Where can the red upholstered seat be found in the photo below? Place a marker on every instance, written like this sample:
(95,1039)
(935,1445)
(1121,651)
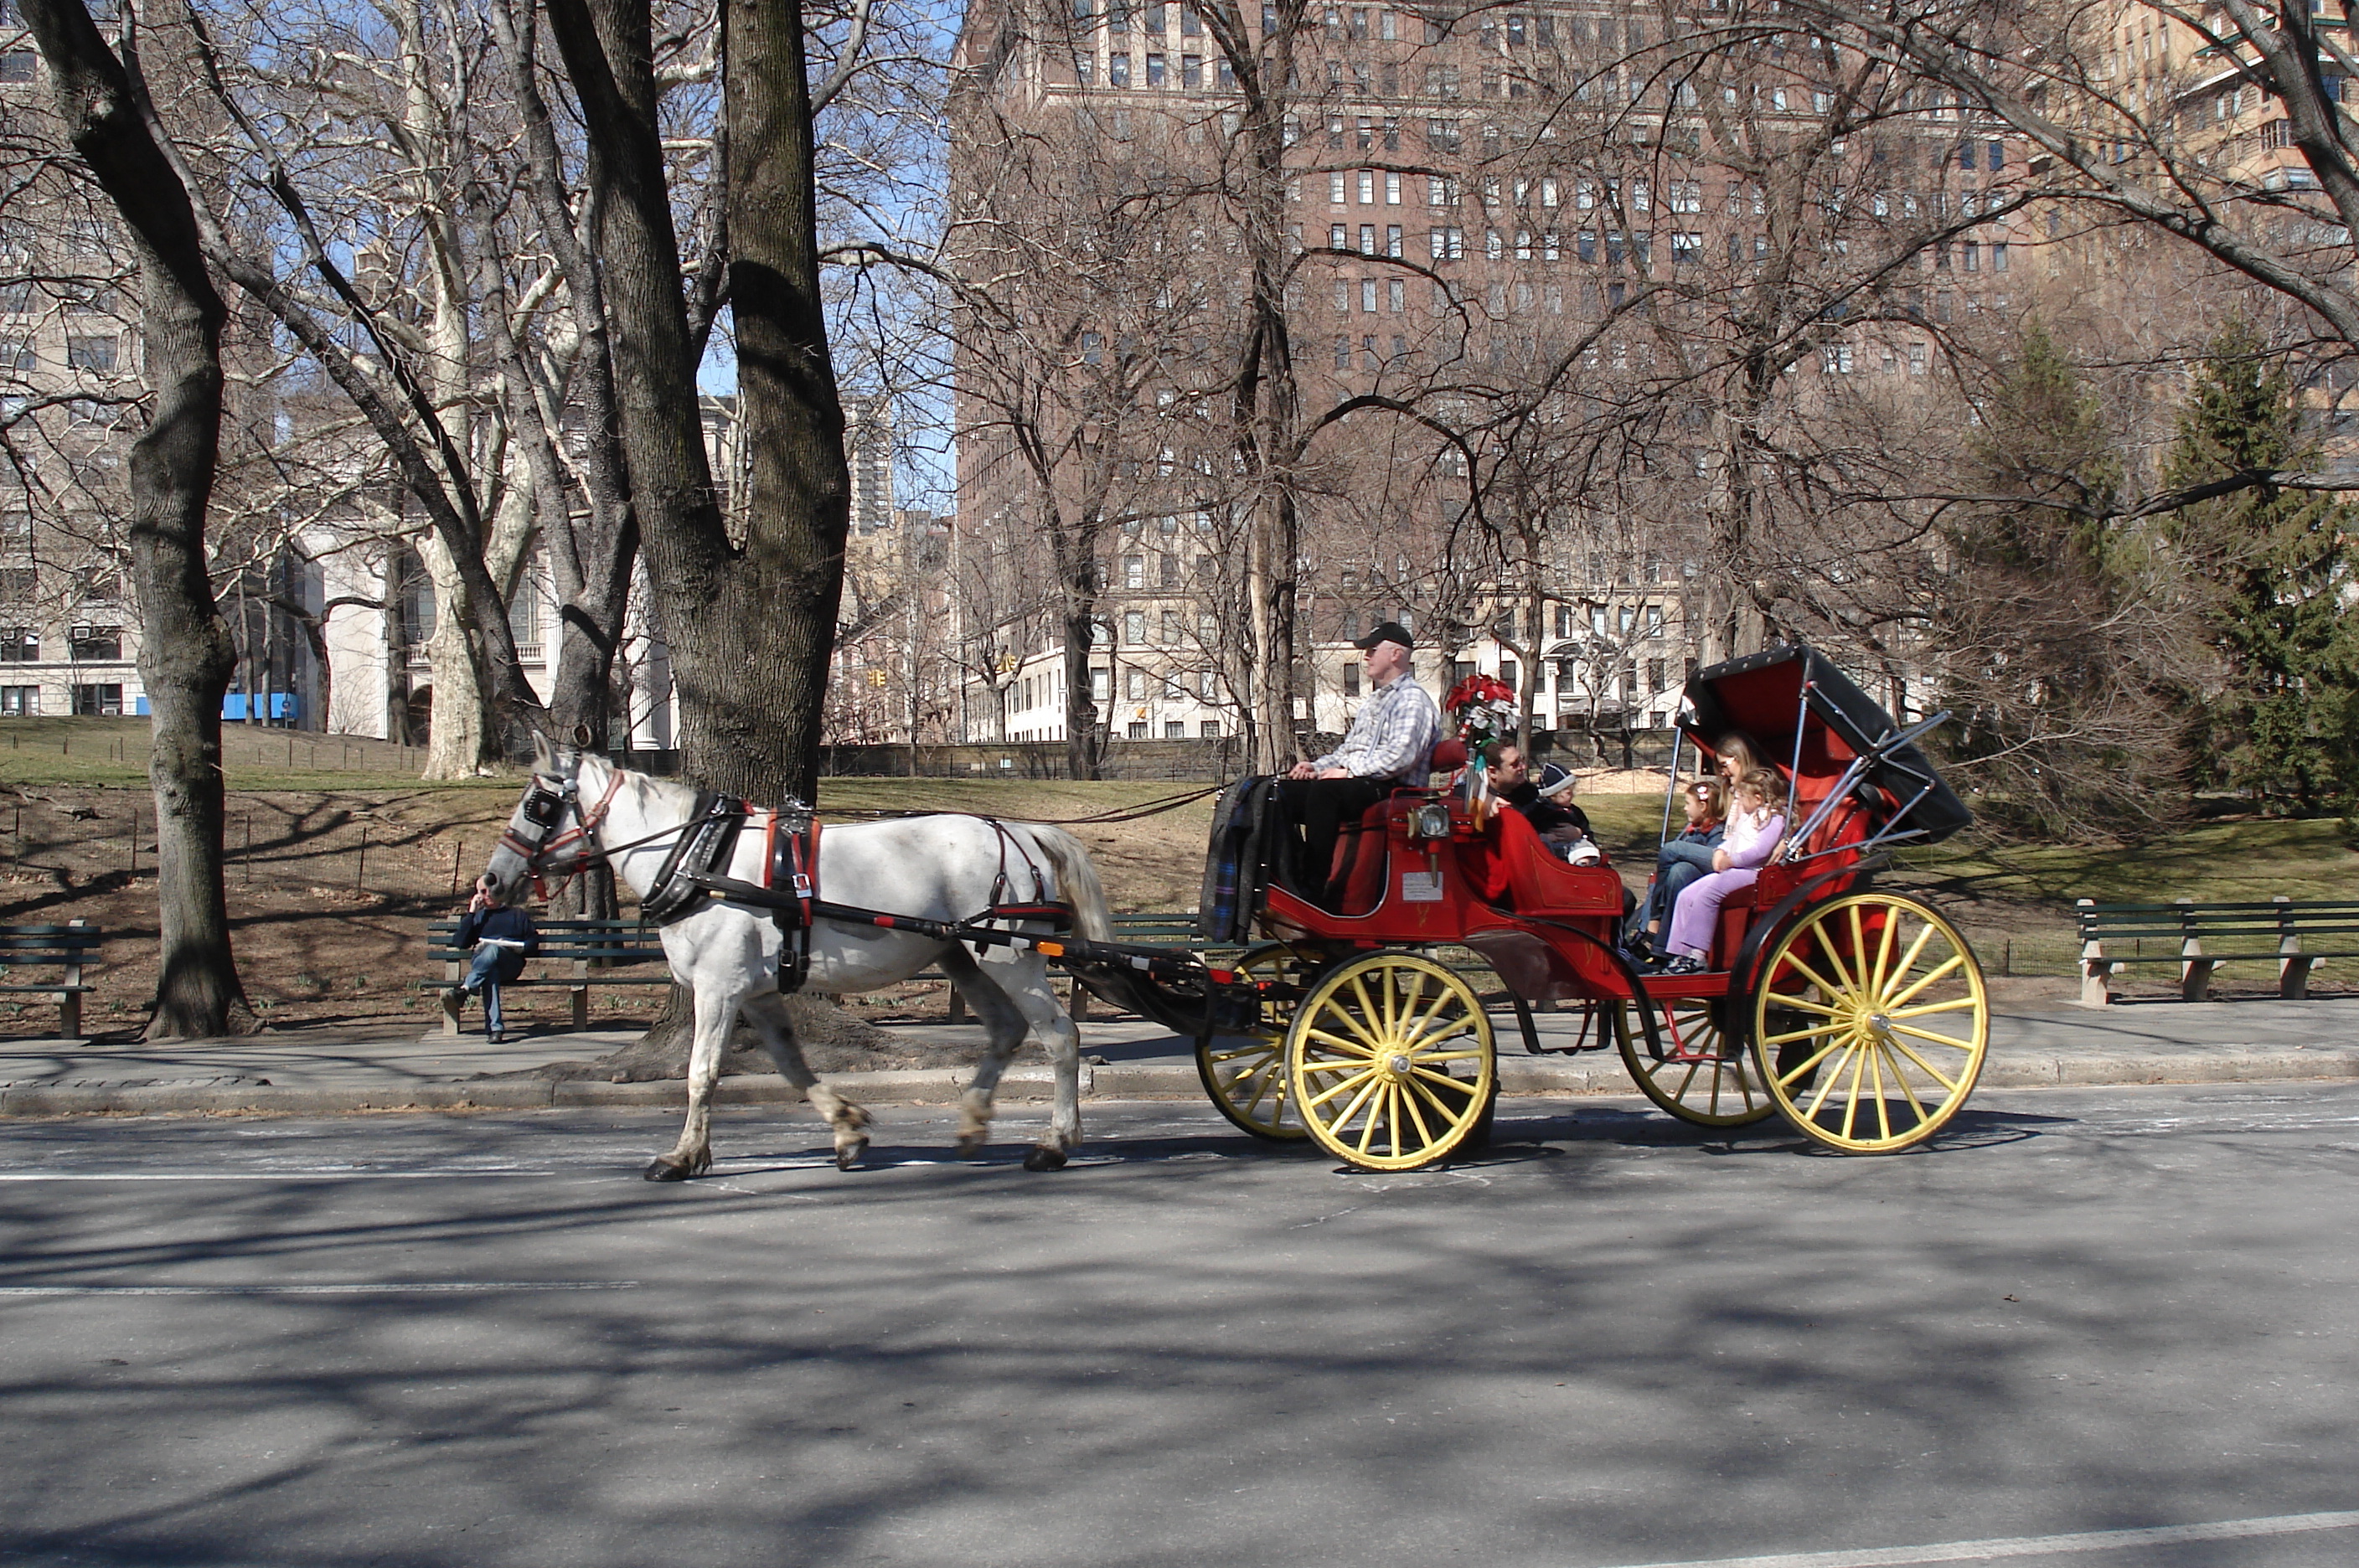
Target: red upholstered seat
(1512,867)
(1448,755)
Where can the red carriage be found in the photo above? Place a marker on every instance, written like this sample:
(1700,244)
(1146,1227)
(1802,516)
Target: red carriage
(1860,1016)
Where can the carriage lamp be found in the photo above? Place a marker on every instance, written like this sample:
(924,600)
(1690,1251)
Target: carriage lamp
(1432,820)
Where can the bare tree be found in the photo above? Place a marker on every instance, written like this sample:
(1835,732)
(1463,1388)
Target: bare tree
(185,653)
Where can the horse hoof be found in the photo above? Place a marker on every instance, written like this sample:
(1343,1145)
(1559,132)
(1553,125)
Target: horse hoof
(849,1155)
(971,1145)
(1043,1158)
(664,1168)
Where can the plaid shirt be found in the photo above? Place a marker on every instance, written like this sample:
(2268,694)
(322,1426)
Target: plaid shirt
(1391,736)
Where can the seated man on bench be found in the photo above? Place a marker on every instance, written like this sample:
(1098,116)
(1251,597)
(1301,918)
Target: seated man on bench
(1387,746)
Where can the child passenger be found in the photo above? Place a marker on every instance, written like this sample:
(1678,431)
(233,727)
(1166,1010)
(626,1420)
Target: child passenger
(1682,860)
(1753,828)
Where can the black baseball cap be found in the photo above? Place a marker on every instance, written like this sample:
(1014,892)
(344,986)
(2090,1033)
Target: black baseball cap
(1388,631)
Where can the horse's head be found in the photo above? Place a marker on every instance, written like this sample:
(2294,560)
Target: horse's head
(550,834)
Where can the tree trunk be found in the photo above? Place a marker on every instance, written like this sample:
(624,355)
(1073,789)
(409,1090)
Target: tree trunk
(186,654)
(799,488)
(457,740)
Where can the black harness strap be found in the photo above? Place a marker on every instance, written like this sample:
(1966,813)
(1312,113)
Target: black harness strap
(704,845)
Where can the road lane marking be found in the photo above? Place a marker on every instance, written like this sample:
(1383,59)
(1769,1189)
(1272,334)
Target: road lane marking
(421,1287)
(2032,1545)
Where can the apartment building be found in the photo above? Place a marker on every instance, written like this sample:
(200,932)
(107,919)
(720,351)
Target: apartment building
(1535,216)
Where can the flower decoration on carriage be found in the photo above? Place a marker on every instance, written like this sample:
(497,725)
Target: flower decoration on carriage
(1485,709)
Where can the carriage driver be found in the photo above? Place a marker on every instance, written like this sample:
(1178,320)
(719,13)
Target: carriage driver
(1387,745)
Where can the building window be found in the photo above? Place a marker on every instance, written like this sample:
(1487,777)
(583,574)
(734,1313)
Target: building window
(1138,730)
(20,701)
(1101,684)
(1343,353)
(1352,679)
(91,353)
(20,645)
(1209,729)
(1191,66)
(94,645)
(1134,629)
(104,702)
(1367,239)
(16,65)
(1134,574)
(1175,729)
(1998,256)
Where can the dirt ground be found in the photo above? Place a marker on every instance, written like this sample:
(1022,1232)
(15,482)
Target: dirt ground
(329,887)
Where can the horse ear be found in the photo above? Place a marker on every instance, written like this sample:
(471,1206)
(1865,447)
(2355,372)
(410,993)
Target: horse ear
(581,736)
(543,759)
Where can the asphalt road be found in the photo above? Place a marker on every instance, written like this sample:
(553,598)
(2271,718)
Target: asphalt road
(422,1340)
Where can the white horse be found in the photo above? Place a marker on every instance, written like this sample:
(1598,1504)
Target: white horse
(579,806)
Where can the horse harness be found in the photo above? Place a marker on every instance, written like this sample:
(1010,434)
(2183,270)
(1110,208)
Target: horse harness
(695,873)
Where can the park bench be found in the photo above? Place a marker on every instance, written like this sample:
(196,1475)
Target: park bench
(64,948)
(594,952)
(2200,937)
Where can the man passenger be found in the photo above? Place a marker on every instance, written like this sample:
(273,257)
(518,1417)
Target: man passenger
(1387,747)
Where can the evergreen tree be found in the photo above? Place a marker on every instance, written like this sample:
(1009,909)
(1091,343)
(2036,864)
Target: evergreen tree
(2055,645)
(2272,568)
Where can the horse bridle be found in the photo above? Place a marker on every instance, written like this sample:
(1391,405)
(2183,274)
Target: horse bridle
(545,801)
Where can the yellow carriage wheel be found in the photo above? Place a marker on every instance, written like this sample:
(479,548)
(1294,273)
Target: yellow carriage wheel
(1870,1023)
(1701,1078)
(1389,1061)
(1246,1073)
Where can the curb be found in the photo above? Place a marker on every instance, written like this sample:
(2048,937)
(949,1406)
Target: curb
(1149,1080)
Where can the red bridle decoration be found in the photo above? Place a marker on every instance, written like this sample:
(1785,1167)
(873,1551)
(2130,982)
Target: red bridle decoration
(587,825)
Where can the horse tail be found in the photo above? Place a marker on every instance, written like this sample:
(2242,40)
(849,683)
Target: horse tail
(1076,880)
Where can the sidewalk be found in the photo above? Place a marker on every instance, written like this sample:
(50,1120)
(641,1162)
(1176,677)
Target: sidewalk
(331,1069)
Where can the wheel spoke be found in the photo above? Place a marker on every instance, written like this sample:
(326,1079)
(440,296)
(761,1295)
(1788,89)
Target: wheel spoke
(1952,962)
(1349,1047)
(1925,1009)
(1800,1004)
(1901,1078)
(1936,1039)
(1883,1117)
(1417,1044)
(1828,987)
(1850,1101)
(1360,1066)
(1408,1103)
(1802,1034)
(1367,1010)
(1337,1124)
(1909,959)
(1449,1117)
(1858,947)
(1423,1057)
(1376,1116)
(1785,1079)
(1242,1052)
(1828,1083)
(1931,1070)
(1315,1101)
(1883,950)
(1459,1086)
(1442,998)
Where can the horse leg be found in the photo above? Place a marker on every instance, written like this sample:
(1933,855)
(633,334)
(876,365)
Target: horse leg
(768,1013)
(1028,987)
(692,1155)
(1003,1030)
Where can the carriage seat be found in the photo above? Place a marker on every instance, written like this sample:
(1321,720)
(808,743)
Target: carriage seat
(1514,867)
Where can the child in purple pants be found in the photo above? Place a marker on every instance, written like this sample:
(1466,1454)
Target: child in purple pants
(1753,832)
